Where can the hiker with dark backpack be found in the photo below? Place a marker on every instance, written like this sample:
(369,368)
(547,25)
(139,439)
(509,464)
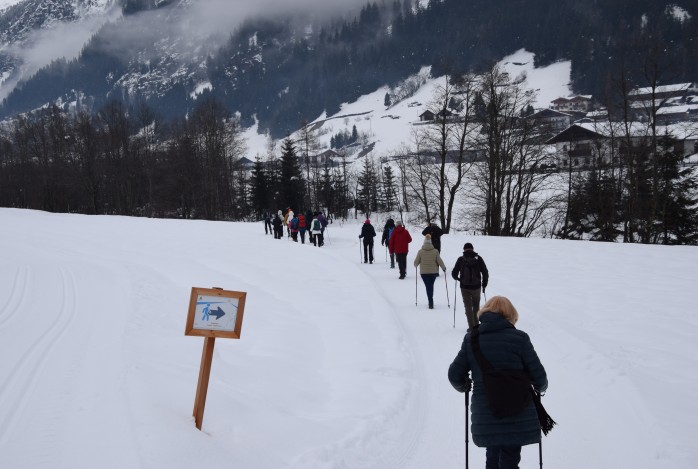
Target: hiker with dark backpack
(507,381)
(387,231)
(294,225)
(316,231)
(472,272)
(368,233)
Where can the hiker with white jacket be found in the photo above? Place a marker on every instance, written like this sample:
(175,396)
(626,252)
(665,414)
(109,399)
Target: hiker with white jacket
(429,260)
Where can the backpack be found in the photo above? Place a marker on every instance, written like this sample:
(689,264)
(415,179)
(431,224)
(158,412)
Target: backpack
(508,391)
(294,224)
(316,225)
(470,271)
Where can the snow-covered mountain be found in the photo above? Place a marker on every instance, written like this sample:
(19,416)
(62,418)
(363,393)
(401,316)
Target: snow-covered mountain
(33,33)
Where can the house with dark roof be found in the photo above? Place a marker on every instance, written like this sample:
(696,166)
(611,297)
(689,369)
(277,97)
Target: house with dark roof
(427,116)
(584,143)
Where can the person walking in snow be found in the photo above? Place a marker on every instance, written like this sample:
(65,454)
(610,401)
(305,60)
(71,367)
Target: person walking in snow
(294,228)
(472,272)
(308,220)
(302,227)
(323,223)
(435,231)
(287,221)
(506,348)
(278,226)
(316,230)
(387,231)
(399,244)
(267,222)
(429,261)
(368,233)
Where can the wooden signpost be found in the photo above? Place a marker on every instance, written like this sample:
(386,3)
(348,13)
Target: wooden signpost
(213,312)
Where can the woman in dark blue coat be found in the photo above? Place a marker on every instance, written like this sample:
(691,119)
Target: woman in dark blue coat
(506,348)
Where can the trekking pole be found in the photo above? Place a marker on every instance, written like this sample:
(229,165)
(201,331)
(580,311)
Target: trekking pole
(540,453)
(467,394)
(359,252)
(415,286)
(386,253)
(448,298)
(455,300)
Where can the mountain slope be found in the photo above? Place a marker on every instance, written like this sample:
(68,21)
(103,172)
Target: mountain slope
(286,71)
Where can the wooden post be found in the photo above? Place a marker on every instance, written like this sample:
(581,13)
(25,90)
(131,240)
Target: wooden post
(204,374)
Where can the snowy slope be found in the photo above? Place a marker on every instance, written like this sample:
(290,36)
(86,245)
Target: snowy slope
(336,367)
(390,128)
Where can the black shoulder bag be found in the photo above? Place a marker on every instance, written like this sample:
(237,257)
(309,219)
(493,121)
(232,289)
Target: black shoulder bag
(508,391)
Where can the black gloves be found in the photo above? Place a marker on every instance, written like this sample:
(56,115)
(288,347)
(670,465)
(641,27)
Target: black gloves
(466,387)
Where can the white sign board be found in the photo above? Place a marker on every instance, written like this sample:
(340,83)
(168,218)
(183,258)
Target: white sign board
(215,313)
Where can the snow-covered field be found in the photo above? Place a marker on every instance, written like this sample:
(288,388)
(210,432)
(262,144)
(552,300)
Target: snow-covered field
(336,366)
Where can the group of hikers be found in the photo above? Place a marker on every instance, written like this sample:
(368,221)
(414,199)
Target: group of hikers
(505,416)
(312,222)
(470,268)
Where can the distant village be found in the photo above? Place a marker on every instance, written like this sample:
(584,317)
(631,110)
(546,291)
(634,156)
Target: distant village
(579,131)
(576,130)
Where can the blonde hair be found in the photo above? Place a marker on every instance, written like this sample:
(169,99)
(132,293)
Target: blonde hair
(500,305)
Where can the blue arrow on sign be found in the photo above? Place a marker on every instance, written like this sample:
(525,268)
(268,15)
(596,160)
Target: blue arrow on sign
(218,313)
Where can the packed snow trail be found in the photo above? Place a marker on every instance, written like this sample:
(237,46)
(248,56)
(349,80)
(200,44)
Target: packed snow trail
(336,366)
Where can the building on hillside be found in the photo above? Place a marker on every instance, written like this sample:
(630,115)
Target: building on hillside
(578,103)
(663,92)
(426,116)
(549,120)
(584,144)
(430,116)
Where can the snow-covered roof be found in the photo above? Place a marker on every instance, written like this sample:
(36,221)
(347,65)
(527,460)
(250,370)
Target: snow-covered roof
(676,88)
(591,130)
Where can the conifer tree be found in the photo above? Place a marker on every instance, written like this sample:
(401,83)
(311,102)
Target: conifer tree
(291,184)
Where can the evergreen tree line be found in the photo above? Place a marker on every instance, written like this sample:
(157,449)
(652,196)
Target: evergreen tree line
(126,161)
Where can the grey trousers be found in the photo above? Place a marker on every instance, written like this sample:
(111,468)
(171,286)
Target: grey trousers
(471,301)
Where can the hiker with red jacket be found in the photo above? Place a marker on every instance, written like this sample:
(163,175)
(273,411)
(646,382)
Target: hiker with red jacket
(302,227)
(399,244)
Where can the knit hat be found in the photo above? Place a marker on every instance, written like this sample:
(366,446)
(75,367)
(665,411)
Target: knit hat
(367,221)
(427,237)
(398,223)
(467,246)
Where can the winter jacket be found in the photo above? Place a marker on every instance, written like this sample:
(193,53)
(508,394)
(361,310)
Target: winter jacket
(323,220)
(506,348)
(399,240)
(387,231)
(480,278)
(301,222)
(428,259)
(315,228)
(435,231)
(277,222)
(367,232)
